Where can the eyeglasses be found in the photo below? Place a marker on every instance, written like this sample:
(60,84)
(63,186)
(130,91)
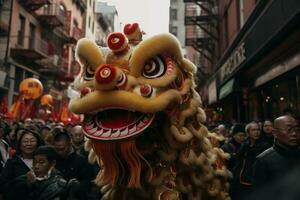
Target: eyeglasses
(290,130)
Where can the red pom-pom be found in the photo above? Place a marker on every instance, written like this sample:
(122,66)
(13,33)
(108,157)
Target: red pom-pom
(130,28)
(116,41)
(105,74)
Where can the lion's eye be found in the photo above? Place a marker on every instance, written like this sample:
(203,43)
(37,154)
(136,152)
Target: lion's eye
(155,67)
(89,73)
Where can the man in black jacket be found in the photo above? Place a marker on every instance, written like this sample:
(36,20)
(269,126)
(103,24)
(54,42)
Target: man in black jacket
(238,136)
(246,155)
(281,159)
(74,168)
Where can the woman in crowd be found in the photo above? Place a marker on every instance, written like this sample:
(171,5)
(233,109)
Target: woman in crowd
(267,133)
(20,164)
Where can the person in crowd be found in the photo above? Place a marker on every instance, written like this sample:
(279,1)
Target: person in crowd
(39,123)
(4,149)
(267,132)
(46,135)
(20,164)
(28,122)
(43,182)
(11,138)
(277,168)
(246,156)
(283,156)
(77,140)
(74,168)
(222,130)
(238,136)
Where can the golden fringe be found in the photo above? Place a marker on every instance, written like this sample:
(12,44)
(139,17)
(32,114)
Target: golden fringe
(132,158)
(107,152)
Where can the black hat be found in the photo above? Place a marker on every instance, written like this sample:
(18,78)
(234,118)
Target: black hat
(238,128)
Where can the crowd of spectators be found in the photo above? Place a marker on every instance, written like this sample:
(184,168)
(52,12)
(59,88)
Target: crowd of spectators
(44,161)
(263,155)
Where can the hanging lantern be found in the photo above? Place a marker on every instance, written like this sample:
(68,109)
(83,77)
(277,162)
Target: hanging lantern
(31,88)
(46,100)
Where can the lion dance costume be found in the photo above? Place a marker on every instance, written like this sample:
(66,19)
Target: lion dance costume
(144,120)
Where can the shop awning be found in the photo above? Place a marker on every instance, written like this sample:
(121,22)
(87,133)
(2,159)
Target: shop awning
(226,89)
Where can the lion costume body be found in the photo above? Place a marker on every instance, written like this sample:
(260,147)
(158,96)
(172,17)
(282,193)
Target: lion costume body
(144,120)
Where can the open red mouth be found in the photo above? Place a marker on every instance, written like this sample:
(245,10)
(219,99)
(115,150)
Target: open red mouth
(116,124)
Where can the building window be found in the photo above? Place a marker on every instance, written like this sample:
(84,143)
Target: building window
(19,76)
(93,24)
(89,21)
(21,30)
(174,30)
(90,2)
(75,23)
(31,35)
(173,14)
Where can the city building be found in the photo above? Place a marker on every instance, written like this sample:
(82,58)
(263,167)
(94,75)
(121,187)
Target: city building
(249,56)
(187,34)
(108,19)
(37,39)
(256,76)
(201,40)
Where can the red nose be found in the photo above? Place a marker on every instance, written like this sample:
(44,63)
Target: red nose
(105,74)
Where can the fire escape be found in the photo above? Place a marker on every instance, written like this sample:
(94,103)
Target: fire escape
(33,5)
(201,30)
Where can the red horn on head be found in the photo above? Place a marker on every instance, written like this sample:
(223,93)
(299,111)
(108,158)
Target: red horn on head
(117,42)
(133,33)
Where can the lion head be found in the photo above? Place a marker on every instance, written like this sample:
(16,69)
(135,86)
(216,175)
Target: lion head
(144,120)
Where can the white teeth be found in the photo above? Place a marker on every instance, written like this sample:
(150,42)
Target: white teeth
(90,126)
(132,130)
(124,132)
(106,134)
(116,134)
(141,124)
(98,133)
(93,130)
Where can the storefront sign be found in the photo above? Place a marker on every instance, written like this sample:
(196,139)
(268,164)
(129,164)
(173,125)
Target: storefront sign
(236,58)
(226,89)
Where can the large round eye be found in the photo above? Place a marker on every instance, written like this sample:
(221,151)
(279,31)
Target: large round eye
(155,67)
(122,80)
(89,73)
